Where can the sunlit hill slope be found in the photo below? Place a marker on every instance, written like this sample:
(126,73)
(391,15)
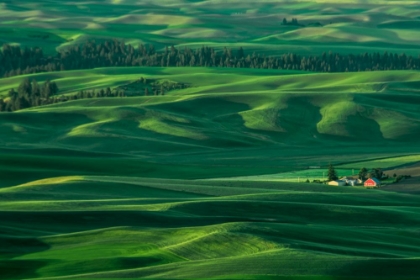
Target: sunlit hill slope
(222,109)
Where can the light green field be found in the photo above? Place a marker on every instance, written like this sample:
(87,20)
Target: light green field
(346,26)
(293,176)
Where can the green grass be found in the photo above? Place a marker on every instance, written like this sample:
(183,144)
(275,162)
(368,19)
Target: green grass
(170,228)
(384,162)
(294,176)
(231,120)
(202,182)
(322,104)
(368,26)
(84,195)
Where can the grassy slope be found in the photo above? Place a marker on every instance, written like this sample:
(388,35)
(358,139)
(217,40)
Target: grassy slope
(109,217)
(192,229)
(230,120)
(369,26)
(384,162)
(79,196)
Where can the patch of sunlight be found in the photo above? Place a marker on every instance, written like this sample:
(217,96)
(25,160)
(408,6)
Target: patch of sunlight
(49,181)
(164,128)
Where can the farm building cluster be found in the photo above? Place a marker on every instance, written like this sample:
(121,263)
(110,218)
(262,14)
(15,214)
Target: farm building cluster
(354,181)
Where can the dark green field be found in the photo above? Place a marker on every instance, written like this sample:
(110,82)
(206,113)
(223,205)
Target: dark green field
(208,181)
(132,227)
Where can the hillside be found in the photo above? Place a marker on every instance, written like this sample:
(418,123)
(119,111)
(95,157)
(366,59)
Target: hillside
(181,229)
(226,118)
(348,26)
(215,172)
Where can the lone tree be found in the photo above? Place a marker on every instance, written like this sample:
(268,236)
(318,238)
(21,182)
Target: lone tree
(332,174)
(363,173)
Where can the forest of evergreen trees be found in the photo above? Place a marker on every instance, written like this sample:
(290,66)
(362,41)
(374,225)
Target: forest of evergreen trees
(16,61)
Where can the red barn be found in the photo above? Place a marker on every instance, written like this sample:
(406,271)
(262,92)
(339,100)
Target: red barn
(372,183)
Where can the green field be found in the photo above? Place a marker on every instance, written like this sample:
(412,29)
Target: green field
(207,182)
(132,227)
(299,176)
(385,162)
(348,26)
(199,183)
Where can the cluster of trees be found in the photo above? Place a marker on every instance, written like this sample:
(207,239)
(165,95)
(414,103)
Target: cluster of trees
(30,94)
(364,173)
(146,87)
(123,91)
(16,61)
(377,173)
(97,93)
(293,22)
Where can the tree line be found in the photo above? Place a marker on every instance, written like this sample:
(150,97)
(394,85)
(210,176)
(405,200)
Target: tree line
(15,60)
(29,94)
(32,94)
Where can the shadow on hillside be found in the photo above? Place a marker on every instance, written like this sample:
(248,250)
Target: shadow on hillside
(73,221)
(13,247)
(382,269)
(34,129)
(299,119)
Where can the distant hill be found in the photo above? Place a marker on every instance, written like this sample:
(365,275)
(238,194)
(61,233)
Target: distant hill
(255,116)
(261,105)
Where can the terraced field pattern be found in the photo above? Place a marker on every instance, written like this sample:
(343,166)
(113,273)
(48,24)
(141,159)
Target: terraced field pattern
(209,181)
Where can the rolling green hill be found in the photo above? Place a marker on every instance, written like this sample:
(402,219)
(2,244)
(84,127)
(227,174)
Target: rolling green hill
(205,182)
(83,191)
(350,26)
(131,227)
(228,118)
